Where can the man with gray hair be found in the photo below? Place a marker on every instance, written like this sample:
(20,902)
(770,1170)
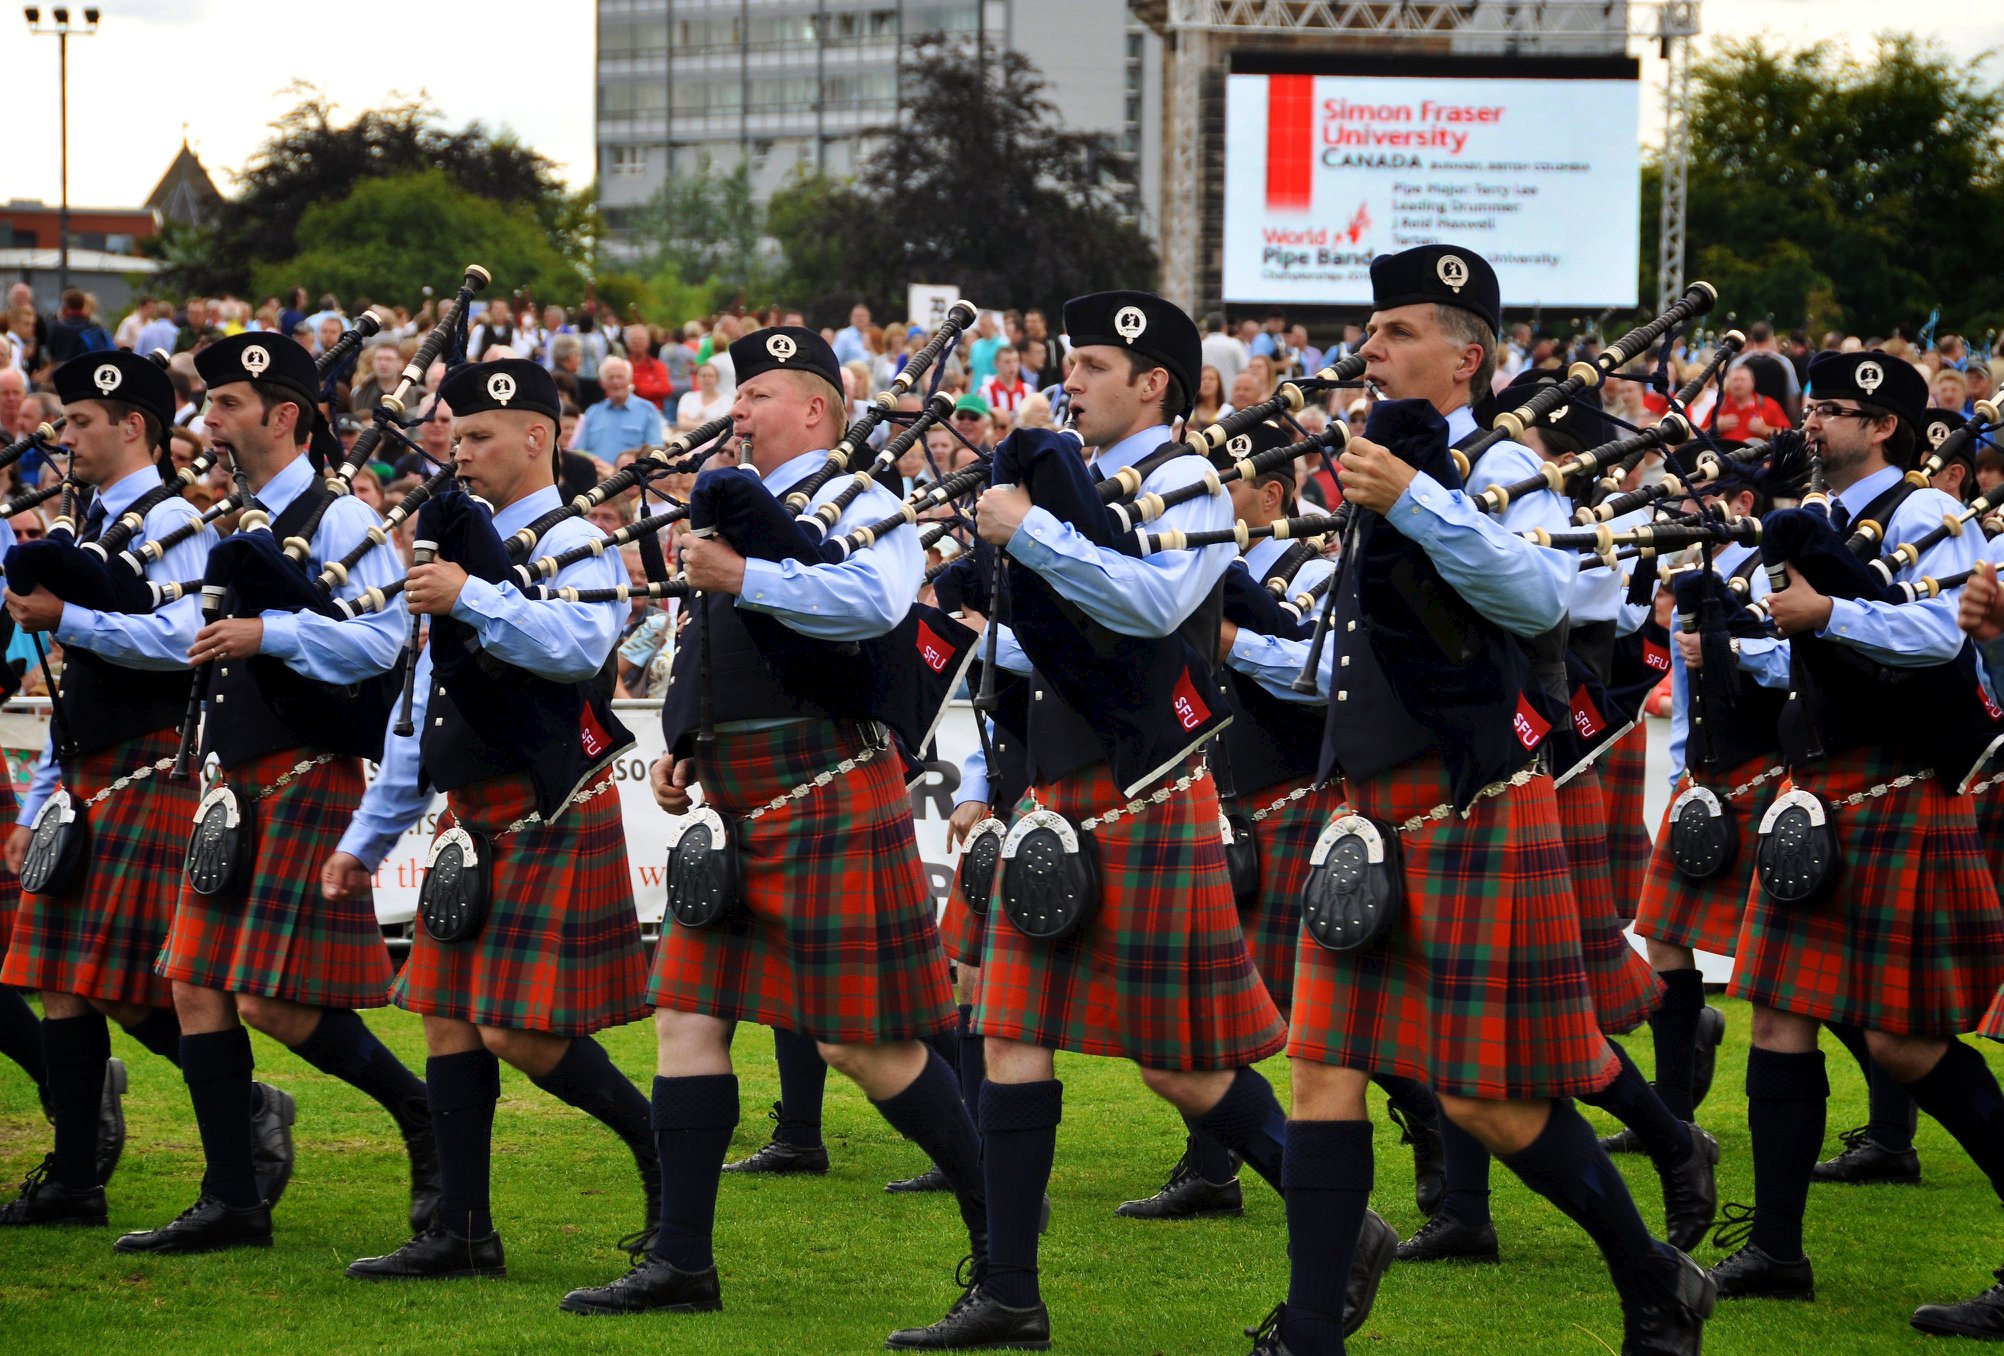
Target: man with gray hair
(567,366)
(620,422)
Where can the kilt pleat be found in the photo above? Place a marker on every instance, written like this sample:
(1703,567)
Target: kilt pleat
(1988,803)
(1625,989)
(279,937)
(1705,916)
(1480,990)
(101,939)
(835,937)
(1285,839)
(560,952)
(1161,974)
(1624,770)
(962,931)
(1910,940)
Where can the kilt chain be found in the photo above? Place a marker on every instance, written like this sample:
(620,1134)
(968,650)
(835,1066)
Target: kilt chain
(818,780)
(1298,793)
(1752,783)
(1446,808)
(1159,796)
(1899,783)
(105,792)
(292,774)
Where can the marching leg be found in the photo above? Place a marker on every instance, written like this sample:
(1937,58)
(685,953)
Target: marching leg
(21,1038)
(341,1045)
(585,1078)
(796,1144)
(1461,1230)
(1882,1150)
(76,1049)
(1788,1095)
(1684,1155)
(230,1213)
(1417,1114)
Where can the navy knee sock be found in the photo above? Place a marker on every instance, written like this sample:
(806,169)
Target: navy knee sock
(1248,1120)
(693,1120)
(1327,1186)
(340,1044)
(803,1082)
(1630,1100)
(462,1090)
(217,1066)
(74,1050)
(1962,1094)
(1566,1165)
(1673,1029)
(972,1064)
(1466,1166)
(1209,1159)
(1788,1098)
(1413,1099)
(1019,1138)
(160,1032)
(1891,1116)
(586,1079)
(21,1036)
(930,1114)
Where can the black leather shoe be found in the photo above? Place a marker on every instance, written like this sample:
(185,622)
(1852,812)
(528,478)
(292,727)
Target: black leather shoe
(978,1321)
(1866,1162)
(651,1284)
(46,1201)
(111,1120)
(1705,1054)
(1377,1245)
(271,1142)
(1752,1274)
(1622,1141)
(932,1179)
(1668,1319)
(1429,1160)
(1981,1318)
(206,1226)
(1446,1239)
(1186,1195)
(1266,1334)
(780,1157)
(1691,1192)
(436,1254)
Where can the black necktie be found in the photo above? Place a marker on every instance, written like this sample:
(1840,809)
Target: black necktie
(1840,517)
(94,520)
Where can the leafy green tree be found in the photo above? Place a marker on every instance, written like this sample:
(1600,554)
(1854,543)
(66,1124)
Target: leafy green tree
(389,238)
(1827,191)
(707,233)
(979,184)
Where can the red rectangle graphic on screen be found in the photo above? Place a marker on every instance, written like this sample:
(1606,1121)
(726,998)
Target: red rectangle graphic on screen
(1290,141)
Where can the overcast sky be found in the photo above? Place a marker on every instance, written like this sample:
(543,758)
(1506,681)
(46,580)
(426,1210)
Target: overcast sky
(223,67)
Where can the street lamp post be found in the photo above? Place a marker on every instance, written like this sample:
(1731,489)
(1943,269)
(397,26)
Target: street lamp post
(59,25)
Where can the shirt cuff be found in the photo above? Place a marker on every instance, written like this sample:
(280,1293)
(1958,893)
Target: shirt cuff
(1422,499)
(477,601)
(1032,542)
(281,636)
(1845,616)
(76,626)
(764,586)
(367,846)
(1249,650)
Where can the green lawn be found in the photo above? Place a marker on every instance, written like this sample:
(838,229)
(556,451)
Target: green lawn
(830,1264)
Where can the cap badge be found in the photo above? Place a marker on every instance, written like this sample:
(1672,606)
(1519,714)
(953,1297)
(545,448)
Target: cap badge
(1869,376)
(1240,446)
(781,347)
(1129,322)
(1937,433)
(1453,271)
(255,360)
(501,388)
(107,377)
(1559,413)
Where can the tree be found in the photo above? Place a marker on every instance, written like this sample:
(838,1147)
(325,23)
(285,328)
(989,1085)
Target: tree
(389,238)
(978,184)
(707,229)
(311,158)
(1826,191)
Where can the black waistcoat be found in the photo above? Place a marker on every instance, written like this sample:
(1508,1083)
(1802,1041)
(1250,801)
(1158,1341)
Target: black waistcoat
(743,683)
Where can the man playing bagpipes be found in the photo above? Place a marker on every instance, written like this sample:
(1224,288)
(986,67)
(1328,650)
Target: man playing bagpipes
(99,895)
(528,942)
(1873,902)
(1443,942)
(1113,929)
(287,689)
(809,909)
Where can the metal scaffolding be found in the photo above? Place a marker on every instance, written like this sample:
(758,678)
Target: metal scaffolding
(1201,33)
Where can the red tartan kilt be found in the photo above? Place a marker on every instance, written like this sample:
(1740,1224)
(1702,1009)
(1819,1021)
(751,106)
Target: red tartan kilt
(279,937)
(1480,991)
(1988,804)
(100,940)
(1625,989)
(1284,838)
(1706,916)
(1910,940)
(962,931)
(1624,771)
(560,951)
(835,937)
(10,885)
(1161,974)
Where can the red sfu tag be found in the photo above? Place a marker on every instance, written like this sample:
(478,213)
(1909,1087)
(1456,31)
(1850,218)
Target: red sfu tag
(1531,728)
(933,651)
(1587,718)
(1988,705)
(1190,708)
(592,735)
(1656,656)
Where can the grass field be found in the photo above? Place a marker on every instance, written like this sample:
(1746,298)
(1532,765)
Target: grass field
(830,1264)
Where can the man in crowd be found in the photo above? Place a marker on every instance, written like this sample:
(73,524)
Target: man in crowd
(851,343)
(620,422)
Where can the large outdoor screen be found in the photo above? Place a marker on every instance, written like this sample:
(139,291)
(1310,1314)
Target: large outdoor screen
(1539,175)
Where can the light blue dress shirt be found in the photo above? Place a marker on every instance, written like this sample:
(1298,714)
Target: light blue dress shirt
(1906,635)
(564,642)
(608,429)
(857,599)
(136,640)
(1764,657)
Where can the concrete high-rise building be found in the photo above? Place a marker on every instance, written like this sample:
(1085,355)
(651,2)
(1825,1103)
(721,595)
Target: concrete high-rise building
(785,84)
